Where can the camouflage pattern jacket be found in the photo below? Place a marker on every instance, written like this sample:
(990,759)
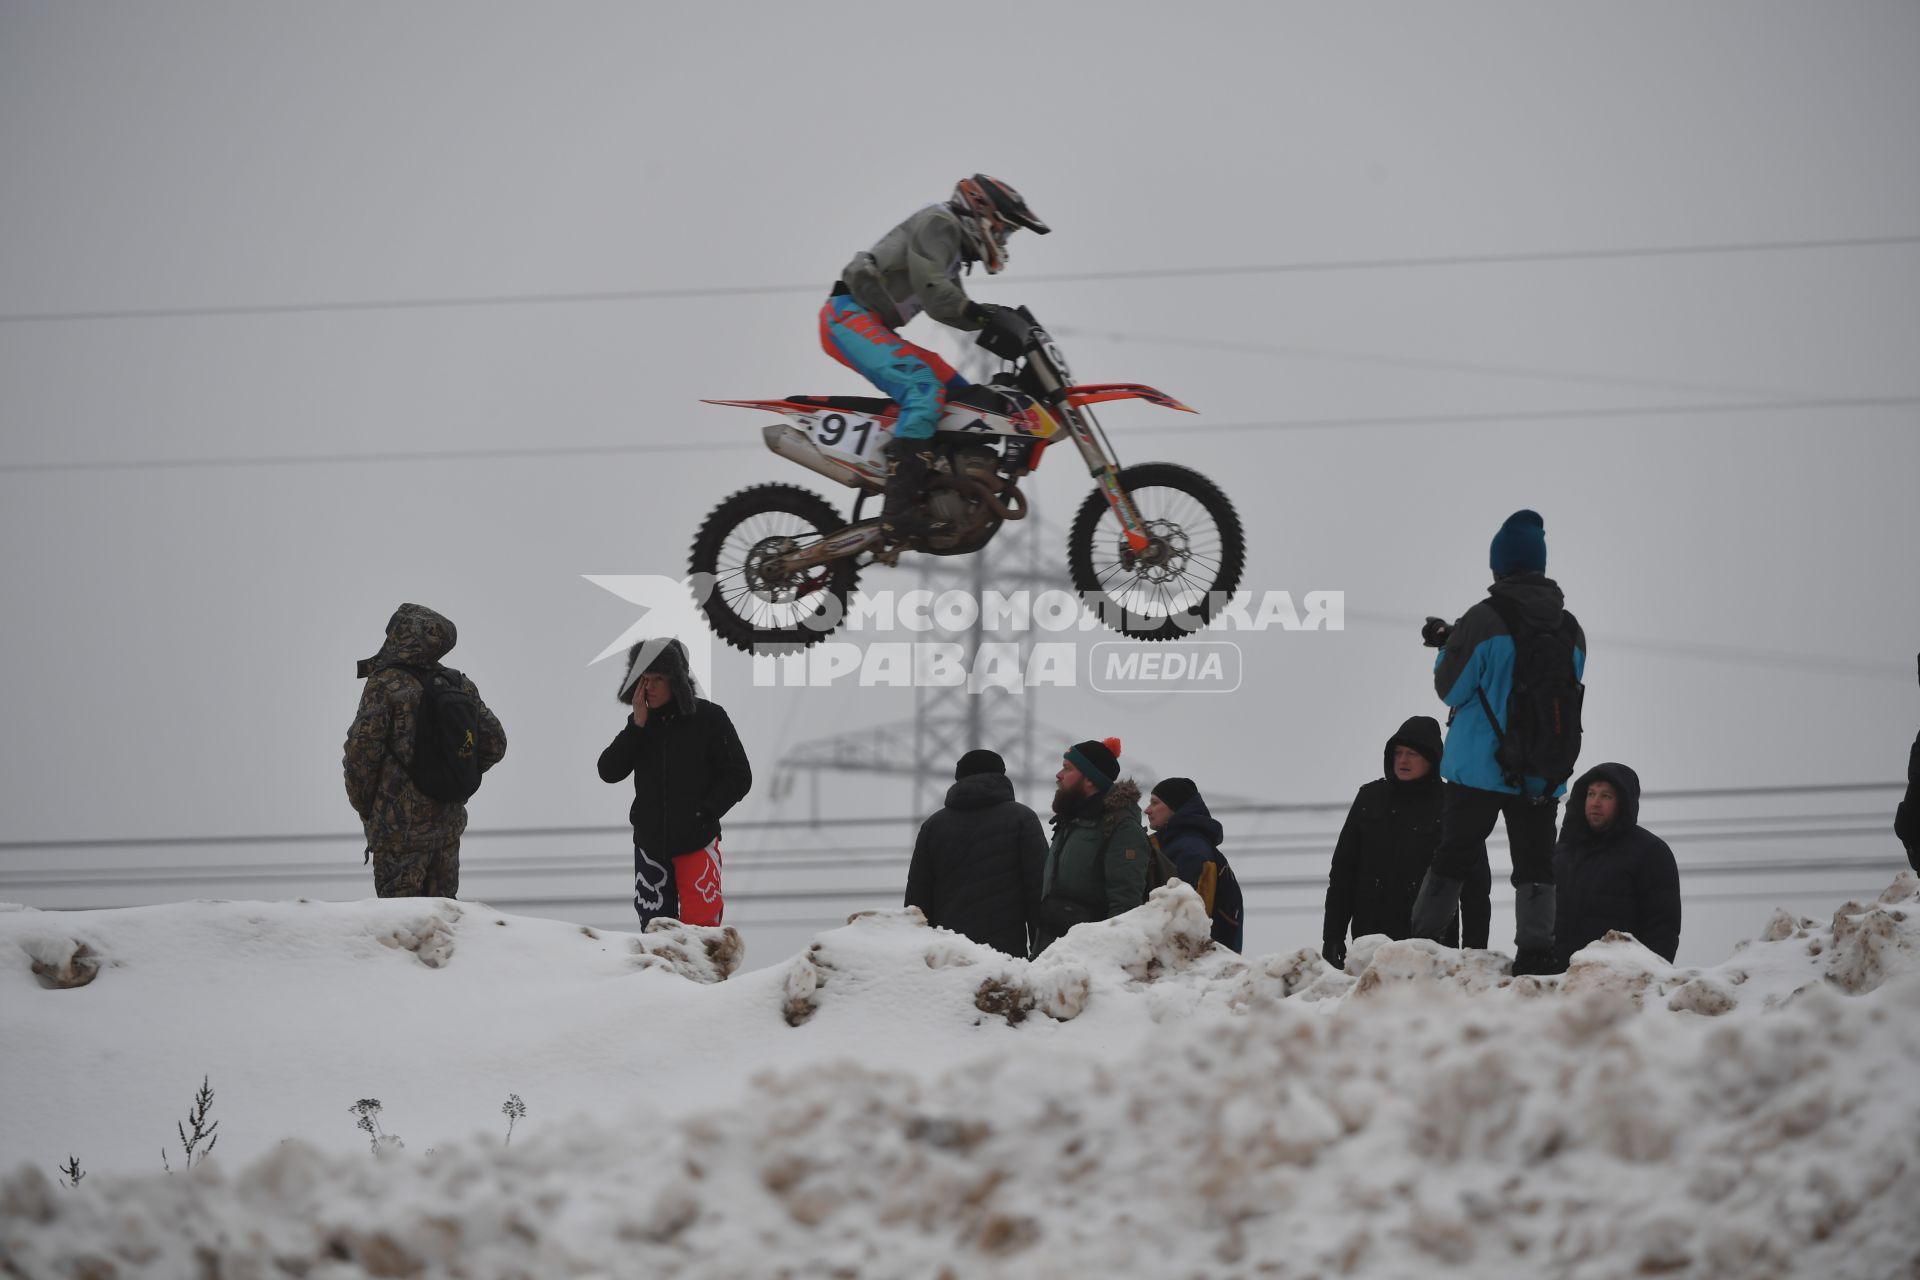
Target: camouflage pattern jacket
(392,810)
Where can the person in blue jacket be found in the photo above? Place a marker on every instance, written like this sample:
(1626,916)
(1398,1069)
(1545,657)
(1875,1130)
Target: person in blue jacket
(1474,676)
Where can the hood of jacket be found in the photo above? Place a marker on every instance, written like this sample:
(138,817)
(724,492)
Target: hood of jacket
(1123,801)
(1626,784)
(1194,816)
(666,657)
(980,791)
(1539,597)
(1422,733)
(416,636)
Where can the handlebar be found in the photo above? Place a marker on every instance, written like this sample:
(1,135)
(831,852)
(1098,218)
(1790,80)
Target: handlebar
(1008,332)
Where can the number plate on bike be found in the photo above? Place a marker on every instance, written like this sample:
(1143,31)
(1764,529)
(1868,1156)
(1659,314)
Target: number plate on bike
(848,435)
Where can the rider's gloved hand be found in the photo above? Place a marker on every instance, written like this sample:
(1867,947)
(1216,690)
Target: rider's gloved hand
(1434,634)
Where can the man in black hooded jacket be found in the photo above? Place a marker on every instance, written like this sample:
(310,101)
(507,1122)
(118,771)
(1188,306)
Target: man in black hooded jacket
(688,769)
(1386,846)
(1906,818)
(977,862)
(1610,872)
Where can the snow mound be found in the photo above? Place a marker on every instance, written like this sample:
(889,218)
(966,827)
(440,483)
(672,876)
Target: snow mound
(1136,1103)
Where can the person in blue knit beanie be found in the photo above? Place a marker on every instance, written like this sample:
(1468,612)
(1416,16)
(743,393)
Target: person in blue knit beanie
(1510,670)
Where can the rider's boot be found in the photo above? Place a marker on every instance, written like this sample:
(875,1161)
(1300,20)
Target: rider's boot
(908,462)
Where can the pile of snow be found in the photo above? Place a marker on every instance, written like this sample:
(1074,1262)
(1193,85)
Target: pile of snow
(900,1102)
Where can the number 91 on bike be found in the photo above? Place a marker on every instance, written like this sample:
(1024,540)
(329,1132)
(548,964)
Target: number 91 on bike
(849,436)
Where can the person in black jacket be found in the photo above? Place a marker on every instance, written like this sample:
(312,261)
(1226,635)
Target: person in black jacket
(1906,818)
(1611,872)
(977,862)
(1189,834)
(688,769)
(1386,846)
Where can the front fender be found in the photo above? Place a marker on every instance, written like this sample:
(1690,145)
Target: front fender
(1099,392)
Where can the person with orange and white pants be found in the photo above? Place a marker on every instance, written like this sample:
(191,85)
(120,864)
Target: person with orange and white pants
(688,769)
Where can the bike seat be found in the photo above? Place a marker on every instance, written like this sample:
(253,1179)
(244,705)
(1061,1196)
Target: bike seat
(874,405)
(990,399)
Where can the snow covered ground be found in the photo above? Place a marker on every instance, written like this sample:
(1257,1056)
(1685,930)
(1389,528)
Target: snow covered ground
(898,1102)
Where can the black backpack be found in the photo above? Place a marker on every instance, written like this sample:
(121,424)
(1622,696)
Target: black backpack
(446,736)
(1542,737)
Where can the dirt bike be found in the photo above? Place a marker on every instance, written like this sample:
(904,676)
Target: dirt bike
(1154,548)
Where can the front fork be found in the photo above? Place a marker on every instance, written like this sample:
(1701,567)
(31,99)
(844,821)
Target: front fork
(1104,470)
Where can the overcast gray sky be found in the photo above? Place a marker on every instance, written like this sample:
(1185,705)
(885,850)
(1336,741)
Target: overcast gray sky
(179,640)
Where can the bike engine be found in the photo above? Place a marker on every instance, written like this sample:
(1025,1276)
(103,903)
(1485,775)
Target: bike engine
(953,507)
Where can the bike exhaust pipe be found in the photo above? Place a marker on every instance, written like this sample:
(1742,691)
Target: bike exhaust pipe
(794,445)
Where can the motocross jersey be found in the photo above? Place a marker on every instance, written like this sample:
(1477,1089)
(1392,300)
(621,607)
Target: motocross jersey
(914,268)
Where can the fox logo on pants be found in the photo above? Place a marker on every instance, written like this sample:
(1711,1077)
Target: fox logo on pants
(697,876)
(649,886)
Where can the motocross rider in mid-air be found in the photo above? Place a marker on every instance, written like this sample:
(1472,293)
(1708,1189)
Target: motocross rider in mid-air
(916,267)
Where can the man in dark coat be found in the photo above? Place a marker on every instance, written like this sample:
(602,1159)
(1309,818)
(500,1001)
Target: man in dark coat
(1386,845)
(413,840)
(1189,835)
(688,769)
(977,863)
(1612,873)
(1474,676)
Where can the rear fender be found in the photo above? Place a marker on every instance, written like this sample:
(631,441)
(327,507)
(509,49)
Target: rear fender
(837,441)
(793,408)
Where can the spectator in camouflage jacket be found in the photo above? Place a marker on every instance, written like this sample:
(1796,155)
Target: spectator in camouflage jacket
(413,840)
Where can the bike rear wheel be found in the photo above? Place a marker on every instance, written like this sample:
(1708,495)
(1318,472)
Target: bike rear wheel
(1193,560)
(753,606)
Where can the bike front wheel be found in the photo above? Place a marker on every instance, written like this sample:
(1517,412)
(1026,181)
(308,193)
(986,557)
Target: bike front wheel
(1192,561)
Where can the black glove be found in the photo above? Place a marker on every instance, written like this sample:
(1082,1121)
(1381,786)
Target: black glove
(1434,634)
(1334,953)
(1003,321)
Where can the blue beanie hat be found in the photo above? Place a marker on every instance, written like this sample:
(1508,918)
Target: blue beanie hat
(1520,546)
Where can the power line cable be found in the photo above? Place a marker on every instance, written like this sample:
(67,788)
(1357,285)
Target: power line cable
(870,821)
(1532,416)
(354,459)
(1871,668)
(443,302)
(1837,403)
(1419,363)
(1311,881)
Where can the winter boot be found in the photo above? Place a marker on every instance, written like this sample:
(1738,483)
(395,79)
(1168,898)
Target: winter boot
(908,462)
(1436,906)
(1533,906)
